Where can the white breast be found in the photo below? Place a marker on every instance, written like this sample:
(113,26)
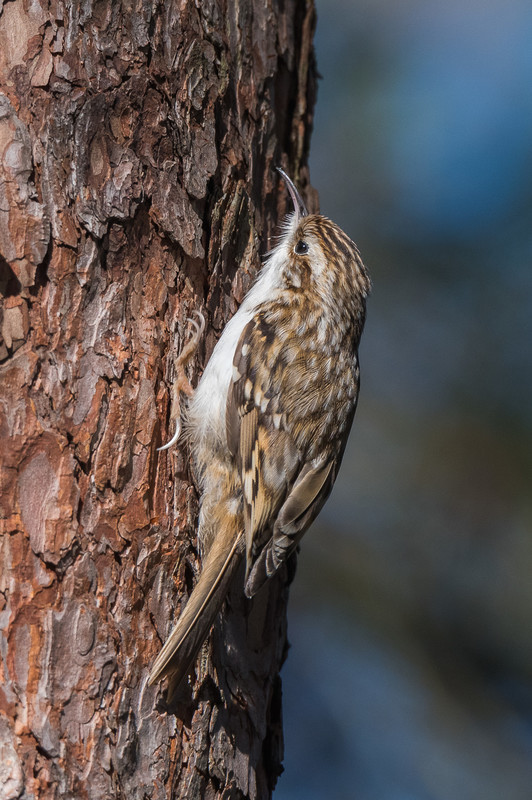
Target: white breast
(206,417)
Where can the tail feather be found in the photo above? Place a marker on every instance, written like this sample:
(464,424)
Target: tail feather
(192,627)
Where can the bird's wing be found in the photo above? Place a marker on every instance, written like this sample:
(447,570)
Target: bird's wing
(282,492)
(265,454)
(303,503)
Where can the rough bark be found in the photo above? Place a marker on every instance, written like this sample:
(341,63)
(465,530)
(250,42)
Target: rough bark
(137,144)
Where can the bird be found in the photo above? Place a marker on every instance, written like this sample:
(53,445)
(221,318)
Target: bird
(269,420)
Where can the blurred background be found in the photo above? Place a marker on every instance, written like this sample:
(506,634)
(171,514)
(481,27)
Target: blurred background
(410,672)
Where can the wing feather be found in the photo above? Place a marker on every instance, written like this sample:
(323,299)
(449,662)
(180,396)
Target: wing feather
(302,505)
(282,492)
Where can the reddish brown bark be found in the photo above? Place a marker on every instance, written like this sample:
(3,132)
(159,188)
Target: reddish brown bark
(137,144)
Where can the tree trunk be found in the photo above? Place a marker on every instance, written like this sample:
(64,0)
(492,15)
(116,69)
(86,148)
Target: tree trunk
(137,145)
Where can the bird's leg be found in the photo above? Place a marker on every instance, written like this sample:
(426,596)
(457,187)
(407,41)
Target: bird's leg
(181,382)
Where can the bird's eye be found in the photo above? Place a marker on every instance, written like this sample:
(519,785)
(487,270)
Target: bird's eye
(301,248)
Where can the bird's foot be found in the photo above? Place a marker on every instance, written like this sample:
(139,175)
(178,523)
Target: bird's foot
(181,382)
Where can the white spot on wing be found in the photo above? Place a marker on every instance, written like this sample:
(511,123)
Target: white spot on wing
(248,487)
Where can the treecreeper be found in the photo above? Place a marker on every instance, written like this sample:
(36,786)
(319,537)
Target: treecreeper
(269,420)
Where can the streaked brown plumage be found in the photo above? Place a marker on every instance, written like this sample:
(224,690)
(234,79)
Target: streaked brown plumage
(270,418)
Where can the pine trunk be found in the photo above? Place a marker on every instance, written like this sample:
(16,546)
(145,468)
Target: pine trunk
(137,146)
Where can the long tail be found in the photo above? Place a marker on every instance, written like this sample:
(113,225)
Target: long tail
(192,627)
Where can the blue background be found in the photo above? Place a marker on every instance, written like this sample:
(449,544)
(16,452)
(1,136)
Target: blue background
(410,672)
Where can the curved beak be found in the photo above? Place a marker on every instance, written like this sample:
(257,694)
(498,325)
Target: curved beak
(299,206)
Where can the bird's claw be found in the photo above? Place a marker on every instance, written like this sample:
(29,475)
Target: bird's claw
(198,326)
(174,438)
(181,383)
